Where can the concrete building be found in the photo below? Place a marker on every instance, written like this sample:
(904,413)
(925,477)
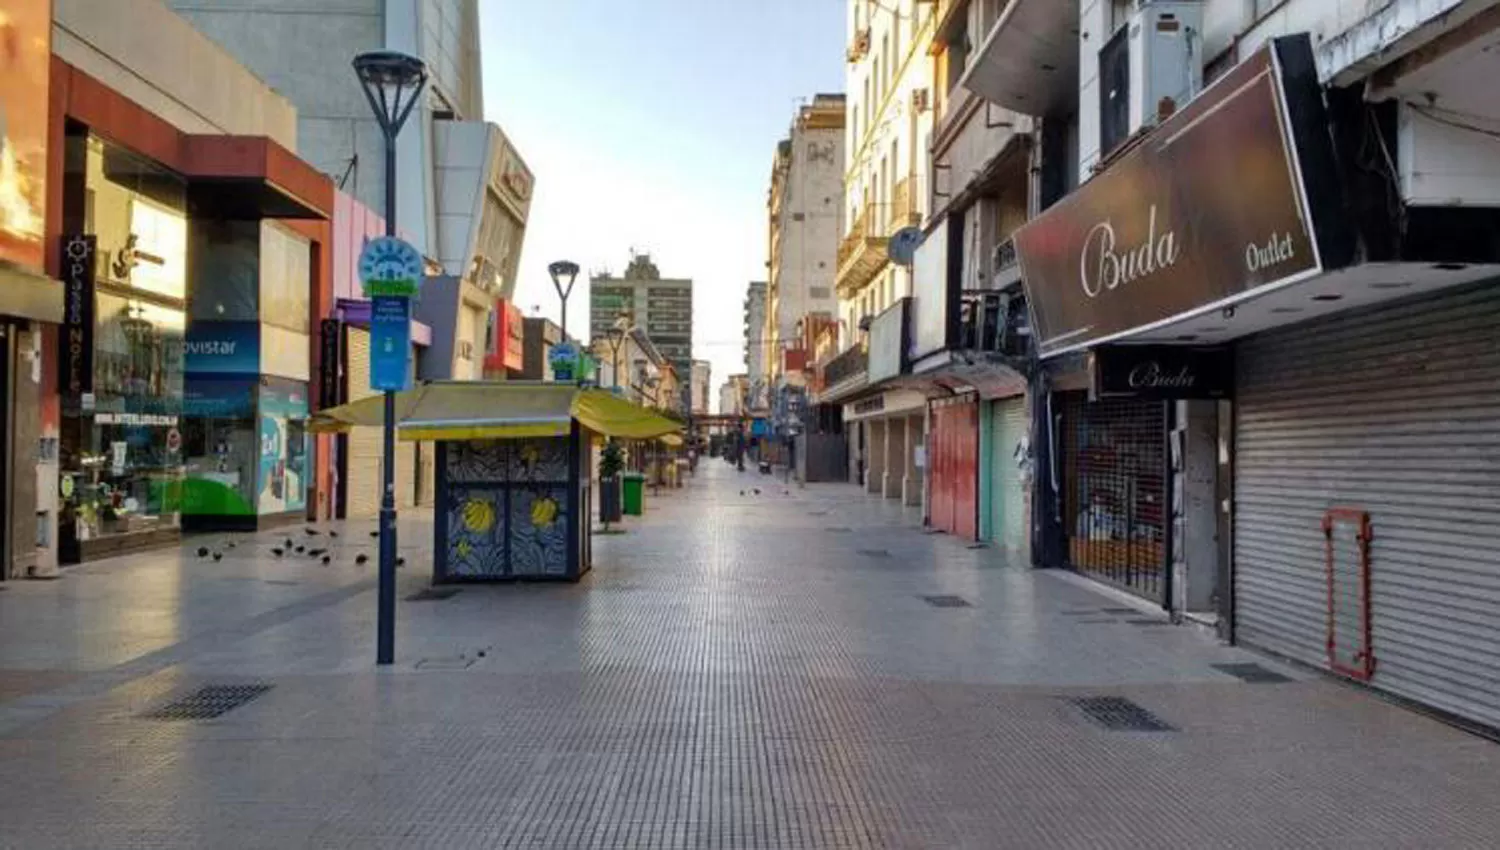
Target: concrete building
(806,218)
(464,191)
(198,267)
(539,335)
(757,352)
(663,307)
(732,395)
(701,383)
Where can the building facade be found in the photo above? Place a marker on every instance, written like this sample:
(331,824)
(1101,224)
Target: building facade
(464,191)
(1265,403)
(195,252)
(757,349)
(806,217)
(702,383)
(661,307)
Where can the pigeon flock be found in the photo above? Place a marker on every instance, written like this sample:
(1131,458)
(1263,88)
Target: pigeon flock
(325,555)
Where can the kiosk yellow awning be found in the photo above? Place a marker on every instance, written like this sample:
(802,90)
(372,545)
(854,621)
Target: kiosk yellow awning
(485,410)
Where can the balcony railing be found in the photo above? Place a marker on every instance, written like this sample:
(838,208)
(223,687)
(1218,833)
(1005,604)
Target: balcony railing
(862,250)
(903,211)
(994,322)
(850,363)
(859,230)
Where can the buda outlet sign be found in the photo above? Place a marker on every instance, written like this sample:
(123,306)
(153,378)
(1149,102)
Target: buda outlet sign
(1207,209)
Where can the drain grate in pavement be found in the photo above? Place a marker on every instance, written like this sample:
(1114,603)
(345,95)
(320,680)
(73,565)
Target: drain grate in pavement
(1252,673)
(208,702)
(433,594)
(459,663)
(942,601)
(874,553)
(1120,610)
(838,529)
(1149,622)
(1119,714)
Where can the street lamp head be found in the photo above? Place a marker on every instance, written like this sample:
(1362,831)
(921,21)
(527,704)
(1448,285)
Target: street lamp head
(392,82)
(563,273)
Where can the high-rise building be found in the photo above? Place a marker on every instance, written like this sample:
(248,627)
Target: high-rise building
(806,220)
(662,306)
(755,333)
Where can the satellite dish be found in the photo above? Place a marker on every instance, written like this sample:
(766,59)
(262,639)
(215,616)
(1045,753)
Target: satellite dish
(902,248)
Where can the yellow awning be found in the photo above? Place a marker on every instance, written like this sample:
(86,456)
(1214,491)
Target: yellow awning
(484,410)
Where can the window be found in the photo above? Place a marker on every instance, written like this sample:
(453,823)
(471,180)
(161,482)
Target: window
(285,278)
(885,54)
(896,29)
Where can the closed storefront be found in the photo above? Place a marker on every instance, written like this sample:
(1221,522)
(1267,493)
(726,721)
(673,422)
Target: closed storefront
(1114,474)
(1005,452)
(953,450)
(363,466)
(1367,498)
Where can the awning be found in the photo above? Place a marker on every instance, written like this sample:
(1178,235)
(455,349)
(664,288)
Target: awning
(484,410)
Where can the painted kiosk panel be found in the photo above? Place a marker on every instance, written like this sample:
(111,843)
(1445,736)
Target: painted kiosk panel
(514,470)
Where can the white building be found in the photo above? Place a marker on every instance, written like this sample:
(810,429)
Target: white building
(757,351)
(806,220)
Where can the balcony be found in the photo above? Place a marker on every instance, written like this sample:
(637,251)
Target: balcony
(1028,61)
(903,208)
(995,323)
(846,371)
(862,252)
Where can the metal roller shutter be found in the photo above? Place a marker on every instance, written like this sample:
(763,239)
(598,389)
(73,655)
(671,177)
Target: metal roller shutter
(1395,412)
(363,468)
(1009,425)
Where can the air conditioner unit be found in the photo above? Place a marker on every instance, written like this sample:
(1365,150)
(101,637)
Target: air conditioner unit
(860,47)
(921,100)
(1149,69)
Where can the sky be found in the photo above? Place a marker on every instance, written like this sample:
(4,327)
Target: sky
(652,125)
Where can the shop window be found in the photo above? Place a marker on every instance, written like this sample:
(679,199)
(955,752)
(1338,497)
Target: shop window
(285,278)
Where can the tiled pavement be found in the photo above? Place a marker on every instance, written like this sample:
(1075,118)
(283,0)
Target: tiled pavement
(756,670)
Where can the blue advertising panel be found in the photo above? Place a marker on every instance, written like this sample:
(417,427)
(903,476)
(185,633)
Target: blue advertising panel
(281,482)
(390,343)
(222,348)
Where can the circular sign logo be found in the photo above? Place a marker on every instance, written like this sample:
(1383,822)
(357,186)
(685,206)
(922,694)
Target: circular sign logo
(390,266)
(174,440)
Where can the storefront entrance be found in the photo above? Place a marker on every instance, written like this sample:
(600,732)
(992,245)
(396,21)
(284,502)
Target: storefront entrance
(1114,492)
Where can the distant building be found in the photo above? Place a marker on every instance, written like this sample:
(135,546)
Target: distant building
(757,366)
(732,395)
(662,307)
(540,335)
(700,384)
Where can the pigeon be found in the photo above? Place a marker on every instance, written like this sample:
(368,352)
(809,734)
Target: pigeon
(230,545)
(374,534)
(289,543)
(326,559)
(480,653)
(300,549)
(400,562)
(360,559)
(277,551)
(742,492)
(312,531)
(313,553)
(757,491)
(333,534)
(218,556)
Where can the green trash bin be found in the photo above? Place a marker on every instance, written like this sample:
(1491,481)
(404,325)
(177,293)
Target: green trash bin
(634,485)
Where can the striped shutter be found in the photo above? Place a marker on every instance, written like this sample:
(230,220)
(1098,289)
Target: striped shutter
(365,448)
(1393,411)
(1007,525)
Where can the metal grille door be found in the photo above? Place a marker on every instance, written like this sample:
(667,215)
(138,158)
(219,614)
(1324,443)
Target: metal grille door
(1114,491)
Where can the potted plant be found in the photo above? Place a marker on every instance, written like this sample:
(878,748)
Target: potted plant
(611,462)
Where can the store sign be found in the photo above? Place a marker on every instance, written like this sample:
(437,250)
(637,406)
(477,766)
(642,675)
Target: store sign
(390,343)
(390,266)
(330,357)
(888,336)
(564,361)
(222,348)
(1163,371)
(76,339)
(1210,208)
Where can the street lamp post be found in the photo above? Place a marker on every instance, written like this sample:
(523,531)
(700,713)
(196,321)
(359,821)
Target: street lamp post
(563,273)
(616,337)
(392,84)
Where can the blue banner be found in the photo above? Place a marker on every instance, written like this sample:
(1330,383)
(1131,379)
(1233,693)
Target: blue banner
(222,348)
(390,343)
